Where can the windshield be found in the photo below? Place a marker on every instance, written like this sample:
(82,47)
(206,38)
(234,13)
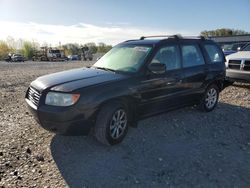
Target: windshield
(233,47)
(227,47)
(124,58)
(55,51)
(17,55)
(247,48)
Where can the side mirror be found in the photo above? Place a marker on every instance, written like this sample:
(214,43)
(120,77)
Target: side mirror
(157,68)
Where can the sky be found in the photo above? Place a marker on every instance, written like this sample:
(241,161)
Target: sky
(113,21)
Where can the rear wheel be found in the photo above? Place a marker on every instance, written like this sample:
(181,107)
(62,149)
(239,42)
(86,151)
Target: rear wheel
(210,99)
(111,123)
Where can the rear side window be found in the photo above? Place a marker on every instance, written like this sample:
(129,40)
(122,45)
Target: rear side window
(191,55)
(214,53)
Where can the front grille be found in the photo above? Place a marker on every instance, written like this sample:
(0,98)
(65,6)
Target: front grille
(247,65)
(33,95)
(234,64)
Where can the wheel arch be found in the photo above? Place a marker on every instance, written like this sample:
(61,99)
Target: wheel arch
(128,101)
(218,83)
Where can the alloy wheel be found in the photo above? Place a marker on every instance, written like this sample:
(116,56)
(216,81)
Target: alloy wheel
(211,98)
(118,124)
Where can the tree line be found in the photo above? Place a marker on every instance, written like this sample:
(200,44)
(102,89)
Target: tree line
(224,32)
(29,48)
(75,49)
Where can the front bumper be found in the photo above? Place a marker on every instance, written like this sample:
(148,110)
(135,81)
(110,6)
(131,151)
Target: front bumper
(67,121)
(237,75)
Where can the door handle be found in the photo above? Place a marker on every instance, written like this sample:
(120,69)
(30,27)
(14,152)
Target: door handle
(174,79)
(174,82)
(170,83)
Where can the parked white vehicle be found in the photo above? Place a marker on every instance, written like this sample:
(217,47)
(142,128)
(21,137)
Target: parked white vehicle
(238,65)
(49,54)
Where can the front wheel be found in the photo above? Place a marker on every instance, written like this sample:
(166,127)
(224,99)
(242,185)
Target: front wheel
(210,98)
(111,123)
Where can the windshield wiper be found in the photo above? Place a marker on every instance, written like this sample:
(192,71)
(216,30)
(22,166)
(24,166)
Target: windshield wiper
(106,69)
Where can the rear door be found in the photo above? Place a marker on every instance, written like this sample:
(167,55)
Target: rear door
(194,70)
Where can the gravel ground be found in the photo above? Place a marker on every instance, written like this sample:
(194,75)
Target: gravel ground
(182,148)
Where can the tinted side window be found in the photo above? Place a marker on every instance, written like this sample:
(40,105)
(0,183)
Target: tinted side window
(168,55)
(191,55)
(214,53)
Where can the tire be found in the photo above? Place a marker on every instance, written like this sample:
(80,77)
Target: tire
(108,130)
(210,98)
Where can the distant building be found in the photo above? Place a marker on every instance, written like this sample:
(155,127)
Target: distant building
(231,39)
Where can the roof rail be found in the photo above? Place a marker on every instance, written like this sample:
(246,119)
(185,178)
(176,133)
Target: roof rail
(174,36)
(195,37)
(131,40)
(162,36)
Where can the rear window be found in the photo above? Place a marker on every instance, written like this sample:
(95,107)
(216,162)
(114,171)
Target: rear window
(214,53)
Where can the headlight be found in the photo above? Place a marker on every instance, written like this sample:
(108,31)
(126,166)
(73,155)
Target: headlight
(226,64)
(61,99)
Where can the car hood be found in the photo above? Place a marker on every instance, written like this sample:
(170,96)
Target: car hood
(239,55)
(71,80)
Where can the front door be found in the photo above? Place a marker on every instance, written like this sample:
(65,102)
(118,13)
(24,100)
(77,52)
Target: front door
(162,91)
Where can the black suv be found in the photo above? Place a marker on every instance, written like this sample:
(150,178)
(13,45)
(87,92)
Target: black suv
(135,79)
